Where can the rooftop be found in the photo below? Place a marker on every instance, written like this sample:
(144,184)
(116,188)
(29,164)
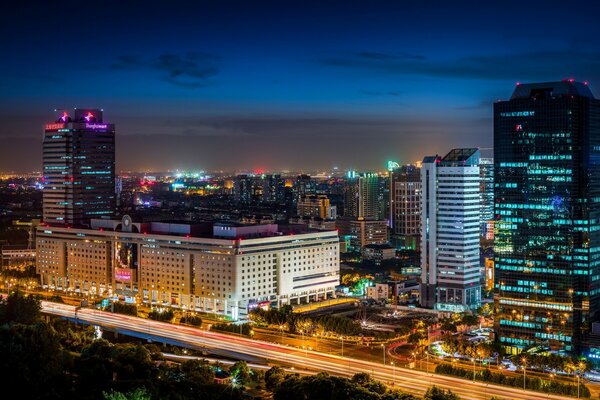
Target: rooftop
(567,87)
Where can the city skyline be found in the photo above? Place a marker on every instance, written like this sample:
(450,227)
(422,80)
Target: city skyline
(258,87)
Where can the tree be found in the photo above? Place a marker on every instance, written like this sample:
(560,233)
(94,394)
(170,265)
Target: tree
(198,371)
(32,361)
(240,371)
(20,309)
(273,377)
(136,394)
(435,393)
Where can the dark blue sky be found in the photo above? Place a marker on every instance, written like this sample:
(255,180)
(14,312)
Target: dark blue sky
(283,84)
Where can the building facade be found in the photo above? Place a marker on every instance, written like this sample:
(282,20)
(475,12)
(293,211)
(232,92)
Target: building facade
(359,232)
(227,270)
(273,189)
(547,210)
(450,273)
(362,196)
(316,206)
(405,205)
(78,168)
(486,196)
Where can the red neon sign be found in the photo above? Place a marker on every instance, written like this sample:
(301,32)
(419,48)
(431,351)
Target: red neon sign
(54,126)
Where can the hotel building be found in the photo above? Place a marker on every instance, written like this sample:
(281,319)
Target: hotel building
(219,268)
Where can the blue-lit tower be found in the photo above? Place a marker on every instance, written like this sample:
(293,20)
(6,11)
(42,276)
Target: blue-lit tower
(547,215)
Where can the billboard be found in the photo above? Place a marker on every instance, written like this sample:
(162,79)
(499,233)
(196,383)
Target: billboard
(123,274)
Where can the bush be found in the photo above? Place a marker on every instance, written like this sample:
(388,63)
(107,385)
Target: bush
(164,316)
(192,320)
(56,299)
(123,308)
(245,328)
(531,383)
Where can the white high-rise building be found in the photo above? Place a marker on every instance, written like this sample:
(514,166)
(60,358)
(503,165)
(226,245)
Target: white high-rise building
(450,231)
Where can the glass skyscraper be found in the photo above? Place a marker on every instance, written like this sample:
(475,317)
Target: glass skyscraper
(547,215)
(79,168)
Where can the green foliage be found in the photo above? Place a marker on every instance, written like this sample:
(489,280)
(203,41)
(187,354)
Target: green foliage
(531,383)
(32,361)
(323,386)
(241,372)
(199,372)
(294,322)
(552,361)
(244,328)
(448,326)
(72,336)
(164,316)
(56,299)
(435,393)
(191,319)
(20,309)
(469,319)
(123,308)
(273,377)
(136,394)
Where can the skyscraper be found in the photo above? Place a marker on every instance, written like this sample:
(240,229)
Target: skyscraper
(273,190)
(362,196)
(450,276)
(547,211)
(79,168)
(405,204)
(243,188)
(486,195)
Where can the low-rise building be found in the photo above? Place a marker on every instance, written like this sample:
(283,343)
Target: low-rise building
(221,268)
(361,232)
(377,253)
(380,291)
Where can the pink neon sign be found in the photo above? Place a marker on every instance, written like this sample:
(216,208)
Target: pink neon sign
(96,126)
(123,275)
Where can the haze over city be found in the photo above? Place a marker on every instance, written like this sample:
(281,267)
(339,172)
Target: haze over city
(277,85)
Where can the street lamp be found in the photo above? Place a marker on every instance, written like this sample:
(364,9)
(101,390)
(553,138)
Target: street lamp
(341,337)
(524,360)
(473,359)
(394,369)
(281,329)
(383,350)
(580,368)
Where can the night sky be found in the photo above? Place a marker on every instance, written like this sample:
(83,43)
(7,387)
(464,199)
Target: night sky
(282,85)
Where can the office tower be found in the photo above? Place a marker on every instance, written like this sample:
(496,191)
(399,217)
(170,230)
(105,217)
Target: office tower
(405,205)
(450,276)
(362,196)
(273,189)
(78,168)
(304,186)
(316,206)
(243,189)
(486,196)
(547,209)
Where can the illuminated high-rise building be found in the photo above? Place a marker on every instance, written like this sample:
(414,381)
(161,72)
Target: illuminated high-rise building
(547,211)
(450,275)
(273,188)
(486,195)
(362,196)
(78,168)
(405,205)
(243,188)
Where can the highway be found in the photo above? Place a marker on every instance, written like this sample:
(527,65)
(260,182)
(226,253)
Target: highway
(408,380)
